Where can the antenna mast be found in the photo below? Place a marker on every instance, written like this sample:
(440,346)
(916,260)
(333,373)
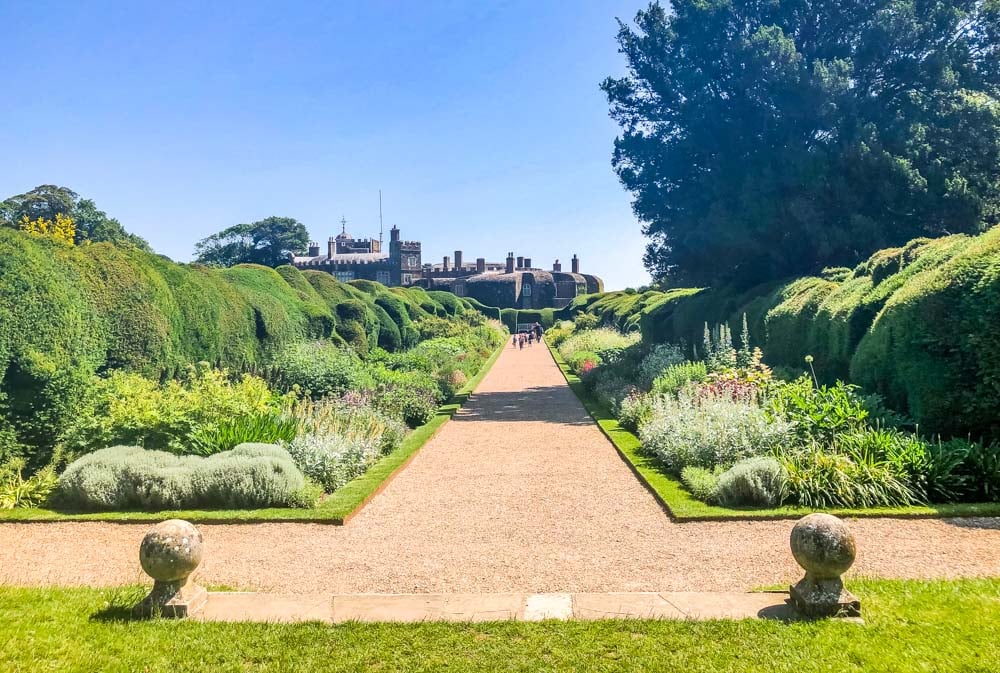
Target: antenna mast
(380,219)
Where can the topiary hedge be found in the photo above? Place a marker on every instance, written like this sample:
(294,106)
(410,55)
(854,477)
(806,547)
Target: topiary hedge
(69,312)
(916,324)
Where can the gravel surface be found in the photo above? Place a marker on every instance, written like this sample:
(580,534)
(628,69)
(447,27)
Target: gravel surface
(519,492)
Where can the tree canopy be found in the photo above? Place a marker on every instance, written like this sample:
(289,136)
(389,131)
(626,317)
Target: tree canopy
(46,202)
(766,139)
(271,242)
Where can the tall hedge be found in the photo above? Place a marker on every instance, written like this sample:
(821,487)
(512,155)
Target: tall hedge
(68,312)
(919,324)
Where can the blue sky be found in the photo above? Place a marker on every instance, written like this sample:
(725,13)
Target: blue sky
(482,122)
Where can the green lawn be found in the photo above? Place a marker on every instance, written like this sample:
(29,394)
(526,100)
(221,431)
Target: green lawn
(909,626)
(334,509)
(684,507)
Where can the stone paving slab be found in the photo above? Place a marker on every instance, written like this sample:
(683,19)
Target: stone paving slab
(266,607)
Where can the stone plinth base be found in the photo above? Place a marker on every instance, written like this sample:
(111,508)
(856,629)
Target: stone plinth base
(173,600)
(824,598)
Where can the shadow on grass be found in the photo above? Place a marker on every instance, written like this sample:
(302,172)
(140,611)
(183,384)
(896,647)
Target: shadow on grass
(119,603)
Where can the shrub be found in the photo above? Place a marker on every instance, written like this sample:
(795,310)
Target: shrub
(676,377)
(662,357)
(946,478)
(823,479)
(268,428)
(819,413)
(130,477)
(635,411)
(333,460)
(129,408)
(320,368)
(16,491)
(353,416)
(711,431)
(586,321)
(753,482)
(411,396)
(583,362)
(606,343)
(703,483)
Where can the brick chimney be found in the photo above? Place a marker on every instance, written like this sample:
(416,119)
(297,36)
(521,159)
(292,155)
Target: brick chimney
(556,266)
(510,262)
(527,262)
(331,246)
(444,263)
(394,234)
(576,263)
(313,249)
(520,262)
(481,265)
(458,260)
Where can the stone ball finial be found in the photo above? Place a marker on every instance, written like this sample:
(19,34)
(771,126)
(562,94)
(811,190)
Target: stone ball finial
(823,545)
(171,551)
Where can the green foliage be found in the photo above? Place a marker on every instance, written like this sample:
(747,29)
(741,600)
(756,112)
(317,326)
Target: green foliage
(822,479)
(587,321)
(758,146)
(607,344)
(660,358)
(18,491)
(709,431)
(752,482)
(179,416)
(701,482)
(820,413)
(320,369)
(47,201)
(123,477)
(260,428)
(269,242)
(675,377)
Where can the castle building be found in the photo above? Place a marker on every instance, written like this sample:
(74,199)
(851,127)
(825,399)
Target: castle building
(348,258)
(513,283)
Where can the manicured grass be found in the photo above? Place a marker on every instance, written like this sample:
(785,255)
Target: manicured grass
(909,626)
(682,506)
(334,509)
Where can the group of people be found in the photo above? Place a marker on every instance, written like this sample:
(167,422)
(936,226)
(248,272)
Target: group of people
(529,336)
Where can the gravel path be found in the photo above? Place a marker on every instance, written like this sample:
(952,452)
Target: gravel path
(520,492)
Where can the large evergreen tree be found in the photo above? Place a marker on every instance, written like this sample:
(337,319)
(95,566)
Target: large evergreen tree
(763,139)
(271,242)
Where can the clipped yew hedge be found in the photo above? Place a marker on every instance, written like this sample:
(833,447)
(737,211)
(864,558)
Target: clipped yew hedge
(919,324)
(68,312)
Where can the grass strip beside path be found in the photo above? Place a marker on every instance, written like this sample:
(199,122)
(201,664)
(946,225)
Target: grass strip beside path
(683,506)
(335,509)
(943,626)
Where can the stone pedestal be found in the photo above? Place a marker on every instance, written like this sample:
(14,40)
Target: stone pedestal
(824,547)
(824,598)
(169,554)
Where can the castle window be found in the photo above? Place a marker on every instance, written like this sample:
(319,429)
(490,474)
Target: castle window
(411,261)
(344,276)
(382,277)
(407,279)
(526,291)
